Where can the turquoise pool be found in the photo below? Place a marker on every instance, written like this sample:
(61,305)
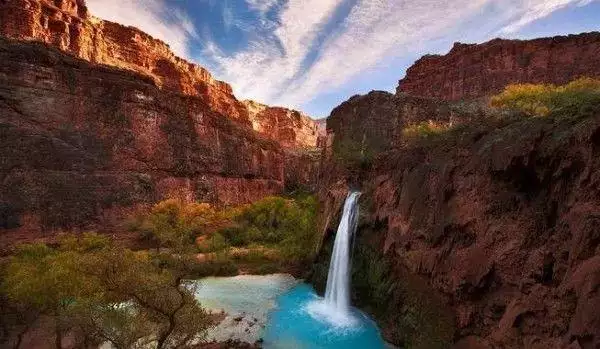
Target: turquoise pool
(293,325)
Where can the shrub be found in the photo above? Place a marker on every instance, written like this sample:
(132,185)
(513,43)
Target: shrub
(289,225)
(425,129)
(174,223)
(236,236)
(355,155)
(215,243)
(579,98)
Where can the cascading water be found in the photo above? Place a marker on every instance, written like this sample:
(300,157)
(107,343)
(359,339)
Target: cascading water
(335,308)
(337,294)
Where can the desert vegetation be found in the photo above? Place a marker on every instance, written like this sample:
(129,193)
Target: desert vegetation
(268,234)
(88,287)
(579,98)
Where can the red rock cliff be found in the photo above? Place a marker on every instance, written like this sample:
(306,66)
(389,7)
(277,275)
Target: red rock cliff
(83,143)
(96,118)
(471,71)
(499,222)
(291,128)
(67,25)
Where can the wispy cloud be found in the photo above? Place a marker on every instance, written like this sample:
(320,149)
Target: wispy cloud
(374,30)
(302,50)
(262,6)
(270,63)
(154,17)
(526,12)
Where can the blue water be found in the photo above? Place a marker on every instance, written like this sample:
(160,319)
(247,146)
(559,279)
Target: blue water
(291,326)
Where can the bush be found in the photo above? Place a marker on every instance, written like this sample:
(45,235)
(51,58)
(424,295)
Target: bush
(425,129)
(355,155)
(579,98)
(174,223)
(215,243)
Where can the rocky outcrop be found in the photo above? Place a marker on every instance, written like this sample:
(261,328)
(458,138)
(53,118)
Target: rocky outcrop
(472,71)
(496,223)
(83,143)
(291,128)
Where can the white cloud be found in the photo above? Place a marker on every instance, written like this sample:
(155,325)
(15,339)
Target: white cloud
(262,6)
(529,11)
(269,64)
(154,17)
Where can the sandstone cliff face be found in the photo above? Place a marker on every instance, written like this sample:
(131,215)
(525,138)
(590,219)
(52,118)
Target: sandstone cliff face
(67,25)
(82,143)
(500,223)
(472,71)
(291,128)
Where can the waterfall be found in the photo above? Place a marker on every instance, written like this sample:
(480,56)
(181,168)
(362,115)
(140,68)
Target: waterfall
(337,295)
(335,308)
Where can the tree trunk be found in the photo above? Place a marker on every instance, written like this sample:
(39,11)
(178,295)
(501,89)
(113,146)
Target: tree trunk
(58,339)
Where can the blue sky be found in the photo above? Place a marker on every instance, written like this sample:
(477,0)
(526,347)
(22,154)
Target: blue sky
(312,55)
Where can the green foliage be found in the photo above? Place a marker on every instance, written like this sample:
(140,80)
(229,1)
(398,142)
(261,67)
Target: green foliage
(174,223)
(404,304)
(427,129)
(289,225)
(216,243)
(579,98)
(354,155)
(372,279)
(271,229)
(106,292)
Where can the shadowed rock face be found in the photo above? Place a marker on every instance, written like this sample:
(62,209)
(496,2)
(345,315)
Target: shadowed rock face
(472,71)
(501,223)
(80,141)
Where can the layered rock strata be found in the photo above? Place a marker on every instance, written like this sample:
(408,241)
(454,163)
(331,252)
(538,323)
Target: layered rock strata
(478,70)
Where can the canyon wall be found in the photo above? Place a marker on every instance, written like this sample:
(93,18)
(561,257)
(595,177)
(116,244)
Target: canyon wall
(493,228)
(81,142)
(291,128)
(68,25)
(97,118)
(473,71)
(483,235)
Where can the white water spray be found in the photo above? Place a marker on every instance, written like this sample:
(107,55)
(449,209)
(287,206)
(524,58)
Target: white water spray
(336,306)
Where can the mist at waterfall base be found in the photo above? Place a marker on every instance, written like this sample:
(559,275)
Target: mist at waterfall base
(304,320)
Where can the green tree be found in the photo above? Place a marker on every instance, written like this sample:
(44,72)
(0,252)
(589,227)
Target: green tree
(108,293)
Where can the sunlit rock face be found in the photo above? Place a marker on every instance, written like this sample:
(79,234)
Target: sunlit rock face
(291,128)
(68,25)
(472,71)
